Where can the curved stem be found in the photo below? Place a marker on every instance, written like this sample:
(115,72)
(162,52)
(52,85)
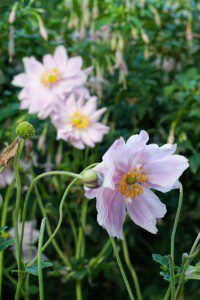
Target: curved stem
(121,268)
(3,223)
(29,193)
(61,210)
(131,269)
(49,231)
(40,278)
(59,221)
(172,243)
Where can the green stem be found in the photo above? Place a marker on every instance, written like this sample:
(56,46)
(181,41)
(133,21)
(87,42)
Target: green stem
(16,219)
(60,209)
(168,293)
(121,268)
(79,245)
(40,278)
(59,221)
(17,203)
(172,243)
(131,269)
(3,223)
(81,228)
(72,224)
(35,180)
(78,290)
(188,261)
(19,286)
(49,231)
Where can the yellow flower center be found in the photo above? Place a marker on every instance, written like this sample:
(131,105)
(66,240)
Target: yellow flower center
(130,184)
(79,120)
(50,76)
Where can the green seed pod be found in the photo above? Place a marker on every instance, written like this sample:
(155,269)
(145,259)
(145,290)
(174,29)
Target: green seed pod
(91,179)
(25,130)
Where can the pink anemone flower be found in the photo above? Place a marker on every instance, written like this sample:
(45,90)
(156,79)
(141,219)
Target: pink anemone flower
(45,85)
(129,171)
(78,122)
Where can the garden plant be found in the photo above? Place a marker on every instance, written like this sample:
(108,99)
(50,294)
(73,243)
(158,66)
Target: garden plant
(99,152)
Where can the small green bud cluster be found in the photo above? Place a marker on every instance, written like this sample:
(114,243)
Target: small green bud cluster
(25,130)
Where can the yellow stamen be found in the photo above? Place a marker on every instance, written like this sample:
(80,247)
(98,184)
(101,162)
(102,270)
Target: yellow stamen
(50,76)
(79,120)
(130,184)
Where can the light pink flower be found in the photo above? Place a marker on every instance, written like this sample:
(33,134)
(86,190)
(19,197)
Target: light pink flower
(45,85)
(78,122)
(130,170)
(31,236)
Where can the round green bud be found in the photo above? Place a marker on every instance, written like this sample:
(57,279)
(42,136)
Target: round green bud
(25,130)
(91,179)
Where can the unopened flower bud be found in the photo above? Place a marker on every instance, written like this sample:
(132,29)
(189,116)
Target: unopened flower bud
(25,130)
(91,179)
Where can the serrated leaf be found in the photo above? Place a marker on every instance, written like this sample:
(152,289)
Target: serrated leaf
(34,269)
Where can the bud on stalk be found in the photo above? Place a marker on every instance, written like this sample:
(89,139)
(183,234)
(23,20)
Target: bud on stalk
(91,179)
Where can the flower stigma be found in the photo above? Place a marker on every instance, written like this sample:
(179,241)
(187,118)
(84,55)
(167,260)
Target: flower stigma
(50,77)
(79,120)
(130,184)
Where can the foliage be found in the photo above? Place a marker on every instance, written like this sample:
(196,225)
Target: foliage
(146,72)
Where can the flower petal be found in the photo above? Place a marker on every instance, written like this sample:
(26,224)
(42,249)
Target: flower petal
(111,212)
(141,215)
(157,208)
(166,171)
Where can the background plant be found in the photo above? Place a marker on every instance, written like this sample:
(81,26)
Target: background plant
(146,60)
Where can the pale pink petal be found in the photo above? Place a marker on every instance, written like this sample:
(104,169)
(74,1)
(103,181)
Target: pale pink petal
(141,215)
(73,67)
(166,171)
(20,80)
(97,114)
(32,66)
(157,208)
(111,212)
(48,61)
(60,57)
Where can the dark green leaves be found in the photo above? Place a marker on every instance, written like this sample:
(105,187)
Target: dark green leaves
(34,269)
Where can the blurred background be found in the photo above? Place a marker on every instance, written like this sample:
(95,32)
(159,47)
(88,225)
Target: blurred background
(146,72)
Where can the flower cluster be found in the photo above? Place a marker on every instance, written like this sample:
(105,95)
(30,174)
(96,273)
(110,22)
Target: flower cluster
(129,171)
(56,88)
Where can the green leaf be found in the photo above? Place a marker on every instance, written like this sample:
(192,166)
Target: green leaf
(162,260)
(5,243)
(34,269)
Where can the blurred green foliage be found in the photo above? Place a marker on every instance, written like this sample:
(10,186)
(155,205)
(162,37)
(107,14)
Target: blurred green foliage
(146,71)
